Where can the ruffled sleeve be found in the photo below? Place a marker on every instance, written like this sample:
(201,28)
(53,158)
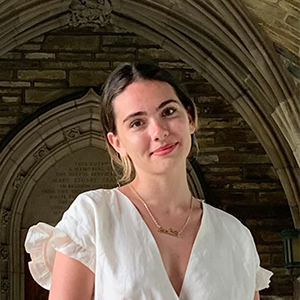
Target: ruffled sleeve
(43,241)
(262,279)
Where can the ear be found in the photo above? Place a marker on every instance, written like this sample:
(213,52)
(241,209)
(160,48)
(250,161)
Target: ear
(191,124)
(191,121)
(115,142)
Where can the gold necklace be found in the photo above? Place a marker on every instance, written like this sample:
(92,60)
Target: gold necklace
(170,231)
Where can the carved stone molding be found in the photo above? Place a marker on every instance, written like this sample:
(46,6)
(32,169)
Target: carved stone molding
(90,12)
(4,285)
(6,217)
(41,153)
(72,133)
(19,180)
(4,252)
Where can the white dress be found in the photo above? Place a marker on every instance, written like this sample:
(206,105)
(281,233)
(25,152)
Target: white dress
(103,230)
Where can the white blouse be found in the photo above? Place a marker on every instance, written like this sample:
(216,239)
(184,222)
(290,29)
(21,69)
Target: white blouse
(103,230)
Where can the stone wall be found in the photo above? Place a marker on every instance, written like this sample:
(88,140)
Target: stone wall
(280,20)
(240,177)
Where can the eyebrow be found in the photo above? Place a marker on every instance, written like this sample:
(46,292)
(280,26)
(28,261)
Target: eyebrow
(143,113)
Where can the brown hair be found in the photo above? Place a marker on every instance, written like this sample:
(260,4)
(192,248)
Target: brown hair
(116,83)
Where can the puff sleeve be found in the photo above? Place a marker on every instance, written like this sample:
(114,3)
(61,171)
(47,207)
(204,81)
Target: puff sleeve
(70,237)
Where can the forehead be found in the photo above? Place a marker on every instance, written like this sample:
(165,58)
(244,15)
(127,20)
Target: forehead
(145,92)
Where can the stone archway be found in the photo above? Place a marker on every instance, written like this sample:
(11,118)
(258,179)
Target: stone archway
(219,39)
(58,155)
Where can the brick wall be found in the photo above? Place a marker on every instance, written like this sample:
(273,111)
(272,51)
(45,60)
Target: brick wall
(236,168)
(280,19)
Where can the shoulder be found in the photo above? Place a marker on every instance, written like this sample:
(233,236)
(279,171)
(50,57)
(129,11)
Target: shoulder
(230,232)
(92,204)
(226,223)
(95,198)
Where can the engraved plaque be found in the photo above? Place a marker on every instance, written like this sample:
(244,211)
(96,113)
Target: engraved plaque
(83,170)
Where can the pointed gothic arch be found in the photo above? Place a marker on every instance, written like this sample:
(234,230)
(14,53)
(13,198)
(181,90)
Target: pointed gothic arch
(47,143)
(220,40)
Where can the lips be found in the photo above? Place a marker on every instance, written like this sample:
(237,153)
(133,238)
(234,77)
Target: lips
(166,149)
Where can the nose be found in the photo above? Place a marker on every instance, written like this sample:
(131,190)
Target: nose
(158,130)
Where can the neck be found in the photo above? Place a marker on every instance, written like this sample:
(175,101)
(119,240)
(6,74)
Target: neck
(169,192)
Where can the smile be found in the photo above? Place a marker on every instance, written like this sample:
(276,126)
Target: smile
(166,149)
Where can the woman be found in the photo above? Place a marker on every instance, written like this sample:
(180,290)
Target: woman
(150,238)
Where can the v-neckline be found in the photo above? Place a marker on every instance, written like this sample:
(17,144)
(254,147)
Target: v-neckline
(151,237)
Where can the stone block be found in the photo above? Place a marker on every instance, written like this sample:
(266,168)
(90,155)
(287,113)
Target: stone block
(29,47)
(11,99)
(154,53)
(248,211)
(46,95)
(271,1)
(294,22)
(60,64)
(294,3)
(40,55)
(74,56)
(212,110)
(251,148)
(216,149)
(65,42)
(235,197)
(14,84)
(255,186)
(115,56)
(44,74)
(118,50)
(283,33)
(4,130)
(95,64)
(207,159)
(19,65)
(222,177)
(145,42)
(192,75)
(264,9)
(38,39)
(260,173)
(235,136)
(10,91)
(11,55)
(119,40)
(224,169)
(265,259)
(201,88)
(88,78)
(277,260)
(9,120)
(293,7)
(53,84)
(202,141)
(6,74)
(174,65)
(275,198)
(211,100)
(222,123)
(273,248)
(277,224)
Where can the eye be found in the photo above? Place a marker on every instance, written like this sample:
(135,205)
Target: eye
(169,111)
(136,124)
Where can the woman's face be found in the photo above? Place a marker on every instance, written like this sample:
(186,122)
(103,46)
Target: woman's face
(153,127)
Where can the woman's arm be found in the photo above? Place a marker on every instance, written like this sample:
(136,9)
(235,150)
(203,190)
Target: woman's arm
(256,296)
(71,280)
